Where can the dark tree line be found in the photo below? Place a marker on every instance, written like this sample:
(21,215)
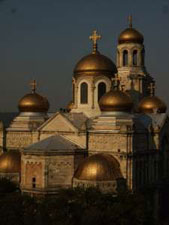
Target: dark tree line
(74,207)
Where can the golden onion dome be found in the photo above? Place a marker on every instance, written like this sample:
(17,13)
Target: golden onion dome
(152,104)
(33,102)
(130,35)
(70,106)
(10,162)
(116,101)
(98,167)
(95,62)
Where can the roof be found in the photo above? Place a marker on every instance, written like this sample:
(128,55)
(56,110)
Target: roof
(7,117)
(55,143)
(77,119)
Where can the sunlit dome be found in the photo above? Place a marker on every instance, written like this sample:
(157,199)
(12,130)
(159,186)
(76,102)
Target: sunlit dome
(98,167)
(130,35)
(33,102)
(10,162)
(95,62)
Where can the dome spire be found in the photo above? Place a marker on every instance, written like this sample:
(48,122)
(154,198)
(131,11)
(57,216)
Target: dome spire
(130,19)
(95,37)
(33,85)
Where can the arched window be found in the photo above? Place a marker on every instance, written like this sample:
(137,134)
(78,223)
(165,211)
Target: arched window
(84,93)
(135,58)
(125,58)
(101,90)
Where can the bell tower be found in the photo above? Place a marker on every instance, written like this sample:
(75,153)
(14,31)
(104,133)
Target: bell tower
(131,63)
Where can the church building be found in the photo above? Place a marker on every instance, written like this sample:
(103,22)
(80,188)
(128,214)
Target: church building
(113,135)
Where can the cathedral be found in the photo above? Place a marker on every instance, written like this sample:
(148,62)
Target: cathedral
(113,135)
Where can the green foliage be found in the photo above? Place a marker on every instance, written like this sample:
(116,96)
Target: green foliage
(75,207)
(7,186)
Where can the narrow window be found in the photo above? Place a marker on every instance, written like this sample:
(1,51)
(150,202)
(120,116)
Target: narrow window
(84,93)
(125,58)
(135,58)
(33,182)
(101,90)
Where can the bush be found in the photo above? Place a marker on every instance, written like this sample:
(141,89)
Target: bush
(75,207)
(7,186)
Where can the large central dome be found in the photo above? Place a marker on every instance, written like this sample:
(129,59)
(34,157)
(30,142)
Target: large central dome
(94,63)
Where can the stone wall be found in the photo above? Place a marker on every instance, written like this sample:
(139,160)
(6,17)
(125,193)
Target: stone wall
(32,172)
(18,140)
(51,172)
(60,170)
(107,142)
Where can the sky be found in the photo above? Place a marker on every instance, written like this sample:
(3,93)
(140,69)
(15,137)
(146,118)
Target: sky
(44,39)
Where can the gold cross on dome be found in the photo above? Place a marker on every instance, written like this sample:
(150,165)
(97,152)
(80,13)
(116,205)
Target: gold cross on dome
(130,19)
(152,88)
(33,85)
(95,37)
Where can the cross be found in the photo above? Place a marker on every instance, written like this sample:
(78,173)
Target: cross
(95,37)
(130,19)
(116,81)
(33,85)
(152,88)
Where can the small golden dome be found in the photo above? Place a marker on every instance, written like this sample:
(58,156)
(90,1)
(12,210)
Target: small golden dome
(99,167)
(10,162)
(131,35)
(152,104)
(116,100)
(70,106)
(33,102)
(94,63)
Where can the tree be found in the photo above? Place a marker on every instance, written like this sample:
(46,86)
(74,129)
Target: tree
(76,207)
(7,186)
